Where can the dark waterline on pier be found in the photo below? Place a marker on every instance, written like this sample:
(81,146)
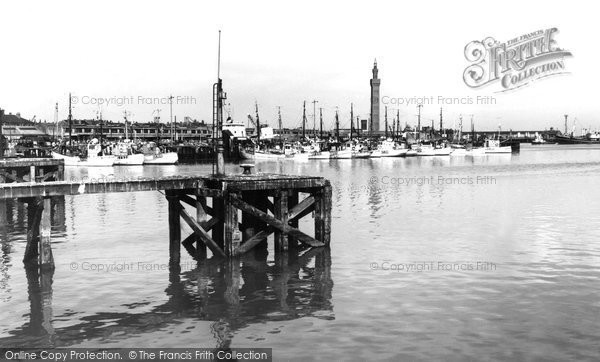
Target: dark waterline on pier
(534,221)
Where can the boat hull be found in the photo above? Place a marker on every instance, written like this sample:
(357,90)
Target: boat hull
(130,160)
(103,161)
(443,151)
(167,158)
(320,156)
(502,149)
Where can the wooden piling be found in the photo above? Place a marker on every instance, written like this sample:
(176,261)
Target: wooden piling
(46,257)
(201,217)
(231,226)
(293,197)
(34,216)
(174,228)
(219,213)
(281,212)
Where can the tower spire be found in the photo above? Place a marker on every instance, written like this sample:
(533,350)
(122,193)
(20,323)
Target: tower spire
(375,84)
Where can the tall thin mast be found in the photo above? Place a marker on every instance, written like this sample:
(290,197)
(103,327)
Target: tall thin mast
(304,120)
(70,123)
(398,120)
(171,116)
(280,125)
(101,132)
(218,97)
(419,120)
(126,131)
(441,123)
(320,122)
(257,123)
(386,123)
(566,116)
(351,119)
(157,121)
(54,131)
(337,126)
(315,118)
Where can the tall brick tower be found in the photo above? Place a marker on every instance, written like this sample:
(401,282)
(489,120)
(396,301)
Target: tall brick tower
(375,83)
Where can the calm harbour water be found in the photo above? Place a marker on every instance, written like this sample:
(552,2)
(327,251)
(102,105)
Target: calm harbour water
(531,220)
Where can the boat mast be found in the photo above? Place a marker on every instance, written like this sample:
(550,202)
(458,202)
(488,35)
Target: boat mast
(566,116)
(101,131)
(320,122)
(279,121)
(70,123)
(351,119)
(304,120)
(125,116)
(460,128)
(386,123)
(157,121)
(472,130)
(398,124)
(314,118)
(257,123)
(441,123)
(171,116)
(419,121)
(55,130)
(337,126)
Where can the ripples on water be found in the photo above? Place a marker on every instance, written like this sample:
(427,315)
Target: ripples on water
(538,226)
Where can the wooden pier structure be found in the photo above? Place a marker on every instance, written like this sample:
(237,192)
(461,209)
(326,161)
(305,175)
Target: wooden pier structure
(233,213)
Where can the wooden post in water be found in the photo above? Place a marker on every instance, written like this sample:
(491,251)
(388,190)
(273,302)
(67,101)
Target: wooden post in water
(46,257)
(281,212)
(219,213)
(323,214)
(34,216)
(201,216)
(231,226)
(293,198)
(174,229)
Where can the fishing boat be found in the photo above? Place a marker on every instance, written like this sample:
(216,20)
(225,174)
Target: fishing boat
(124,150)
(125,155)
(442,151)
(388,148)
(475,152)
(92,157)
(458,150)
(423,149)
(493,146)
(153,155)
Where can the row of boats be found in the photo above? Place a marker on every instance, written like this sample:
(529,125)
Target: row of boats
(387,148)
(123,153)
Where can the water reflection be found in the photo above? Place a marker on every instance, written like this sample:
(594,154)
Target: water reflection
(232,294)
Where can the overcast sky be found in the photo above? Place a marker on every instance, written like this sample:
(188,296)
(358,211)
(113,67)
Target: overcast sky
(281,54)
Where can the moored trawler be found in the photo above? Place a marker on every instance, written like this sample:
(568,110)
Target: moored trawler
(153,155)
(388,148)
(125,155)
(493,146)
(423,149)
(92,157)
